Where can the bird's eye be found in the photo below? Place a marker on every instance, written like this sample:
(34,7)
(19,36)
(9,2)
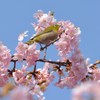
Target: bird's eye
(61,26)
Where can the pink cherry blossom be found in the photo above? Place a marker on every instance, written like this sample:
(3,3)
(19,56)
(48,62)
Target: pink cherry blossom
(44,77)
(68,82)
(47,73)
(36,91)
(27,52)
(44,21)
(25,93)
(19,77)
(5,56)
(38,14)
(77,72)
(31,84)
(96,75)
(47,67)
(3,76)
(32,55)
(22,35)
(3,79)
(68,47)
(21,51)
(21,93)
(90,90)
(79,64)
(94,72)
(69,39)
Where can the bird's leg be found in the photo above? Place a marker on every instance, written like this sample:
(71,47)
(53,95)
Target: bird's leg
(40,46)
(45,50)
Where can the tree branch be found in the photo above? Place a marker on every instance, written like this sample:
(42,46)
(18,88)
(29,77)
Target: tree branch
(94,66)
(55,62)
(49,61)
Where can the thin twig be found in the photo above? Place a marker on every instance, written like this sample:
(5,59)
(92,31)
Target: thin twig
(14,66)
(97,62)
(34,68)
(42,48)
(13,70)
(93,66)
(45,51)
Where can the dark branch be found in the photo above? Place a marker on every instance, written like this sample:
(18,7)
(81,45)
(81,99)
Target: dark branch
(55,62)
(49,61)
(94,66)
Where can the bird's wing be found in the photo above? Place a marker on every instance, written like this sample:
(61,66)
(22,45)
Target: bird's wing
(47,30)
(47,38)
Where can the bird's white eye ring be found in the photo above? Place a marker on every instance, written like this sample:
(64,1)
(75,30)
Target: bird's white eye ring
(61,26)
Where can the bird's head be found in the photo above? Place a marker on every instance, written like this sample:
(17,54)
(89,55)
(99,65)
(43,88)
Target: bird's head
(58,28)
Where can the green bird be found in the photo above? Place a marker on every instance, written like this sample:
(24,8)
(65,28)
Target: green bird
(47,36)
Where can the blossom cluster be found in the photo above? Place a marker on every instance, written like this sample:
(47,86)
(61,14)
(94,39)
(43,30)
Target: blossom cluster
(44,20)
(29,53)
(5,58)
(87,91)
(29,81)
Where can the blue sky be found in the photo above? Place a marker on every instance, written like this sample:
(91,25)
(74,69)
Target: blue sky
(16,16)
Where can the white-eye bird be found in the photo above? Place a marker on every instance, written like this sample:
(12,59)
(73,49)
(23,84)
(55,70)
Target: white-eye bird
(47,36)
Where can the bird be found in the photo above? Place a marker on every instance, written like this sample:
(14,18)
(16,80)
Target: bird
(47,36)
